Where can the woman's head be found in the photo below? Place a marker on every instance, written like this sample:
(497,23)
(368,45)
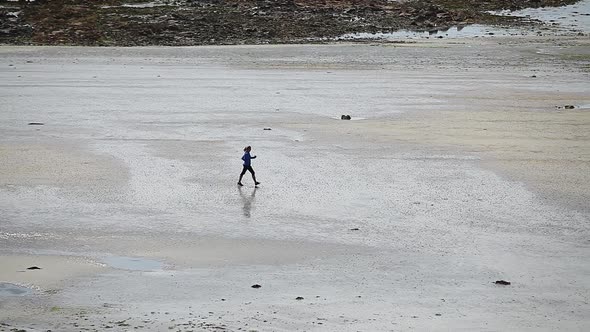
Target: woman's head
(248,148)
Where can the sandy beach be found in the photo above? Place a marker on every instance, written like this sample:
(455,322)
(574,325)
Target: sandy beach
(461,166)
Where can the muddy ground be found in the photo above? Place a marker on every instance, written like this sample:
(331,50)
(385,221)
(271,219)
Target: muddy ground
(208,22)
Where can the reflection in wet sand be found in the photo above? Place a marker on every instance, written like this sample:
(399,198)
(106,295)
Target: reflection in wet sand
(247,200)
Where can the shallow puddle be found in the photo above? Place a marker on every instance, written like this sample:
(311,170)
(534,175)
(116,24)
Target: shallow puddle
(566,19)
(475,30)
(7,289)
(574,17)
(133,263)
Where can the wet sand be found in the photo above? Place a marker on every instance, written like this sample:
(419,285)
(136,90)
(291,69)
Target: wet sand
(459,168)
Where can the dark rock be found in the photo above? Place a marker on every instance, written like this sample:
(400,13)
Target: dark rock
(267,128)
(502,282)
(33,268)
(202,22)
(256,286)
(36,123)
(534,76)
(438,315)
(299,298)
(569,107)
(354,229)
(345,117)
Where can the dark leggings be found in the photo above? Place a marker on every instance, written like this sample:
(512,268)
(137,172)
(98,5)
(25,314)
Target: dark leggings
(247,168)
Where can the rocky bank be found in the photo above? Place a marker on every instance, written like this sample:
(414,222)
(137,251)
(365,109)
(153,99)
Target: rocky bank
(202,22)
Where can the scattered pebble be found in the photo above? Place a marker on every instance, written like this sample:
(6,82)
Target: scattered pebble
(345,117)
(502,282)
(299,298)
(35,123)
(33,268)
(256,286)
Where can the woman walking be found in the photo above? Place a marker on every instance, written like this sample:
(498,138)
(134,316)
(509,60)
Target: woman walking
(247,166)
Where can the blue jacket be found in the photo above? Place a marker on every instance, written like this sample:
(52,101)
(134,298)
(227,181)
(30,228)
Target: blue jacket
(246,158)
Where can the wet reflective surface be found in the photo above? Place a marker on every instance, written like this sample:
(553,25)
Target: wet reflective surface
(7,289)
(458,171)
(133,263)
(557,20)
(574,18)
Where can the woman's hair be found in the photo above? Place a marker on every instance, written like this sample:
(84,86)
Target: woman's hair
(248,147)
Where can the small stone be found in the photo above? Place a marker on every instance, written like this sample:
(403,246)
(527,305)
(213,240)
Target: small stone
(35,123)
(534,76)
(33,268)
(345,117)
(354,229)
(569,107)
(299,298)
(267,128)
(502,282)
(256,286)
(438,315)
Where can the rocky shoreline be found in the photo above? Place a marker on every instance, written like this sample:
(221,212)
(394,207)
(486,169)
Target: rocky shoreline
(229,22)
